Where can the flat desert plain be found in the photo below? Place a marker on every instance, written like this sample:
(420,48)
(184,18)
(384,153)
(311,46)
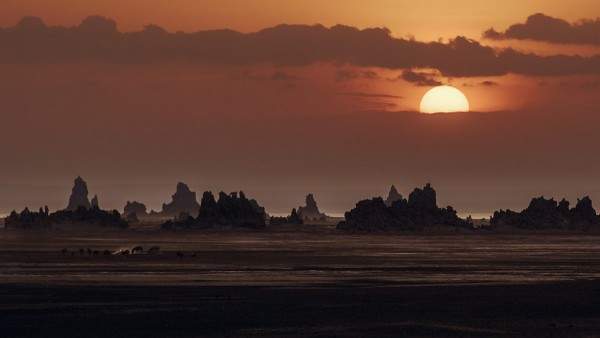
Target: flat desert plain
(298,284)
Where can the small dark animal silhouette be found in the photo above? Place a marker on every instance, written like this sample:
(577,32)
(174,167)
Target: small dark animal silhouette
(89,252)
(137,249)
(106,252)
(125,253)
(72,253)
(81,251)
(64,251)
(179,254)
(154,249)
(95,252)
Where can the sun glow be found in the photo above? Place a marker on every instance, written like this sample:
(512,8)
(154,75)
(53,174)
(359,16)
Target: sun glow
(444,99)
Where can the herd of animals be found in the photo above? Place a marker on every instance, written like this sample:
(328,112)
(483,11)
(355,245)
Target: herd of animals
(137,250)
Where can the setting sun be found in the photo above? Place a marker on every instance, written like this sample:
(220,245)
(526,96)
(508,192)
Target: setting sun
(444,99)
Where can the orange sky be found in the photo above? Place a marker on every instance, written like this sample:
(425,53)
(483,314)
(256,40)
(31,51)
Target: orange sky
(424,19)
(281,127)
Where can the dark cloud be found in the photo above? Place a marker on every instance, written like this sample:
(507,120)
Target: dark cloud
(553,65)
(97,39)
(370,75)
(486,83)
(345,75)
(421,79)
(541,27)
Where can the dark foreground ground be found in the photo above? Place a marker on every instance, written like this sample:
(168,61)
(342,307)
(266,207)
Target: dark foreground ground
(300,285)
(547,310)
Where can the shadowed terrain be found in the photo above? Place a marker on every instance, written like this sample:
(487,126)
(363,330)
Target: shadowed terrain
(299,284)
(554,310)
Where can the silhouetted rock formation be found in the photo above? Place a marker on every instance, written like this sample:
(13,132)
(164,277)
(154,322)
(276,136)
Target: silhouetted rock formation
(293,219)
(27,219)
(258,208)
(418,212)
(79,195)
(139,209)
(93,216)
(94,202)
(78,212)
(393,196)
(132,218)
(209,209)
(311,212)
(230,210)
(423,201)
(548,214)
(184,200)
(182,217)
(82,216)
